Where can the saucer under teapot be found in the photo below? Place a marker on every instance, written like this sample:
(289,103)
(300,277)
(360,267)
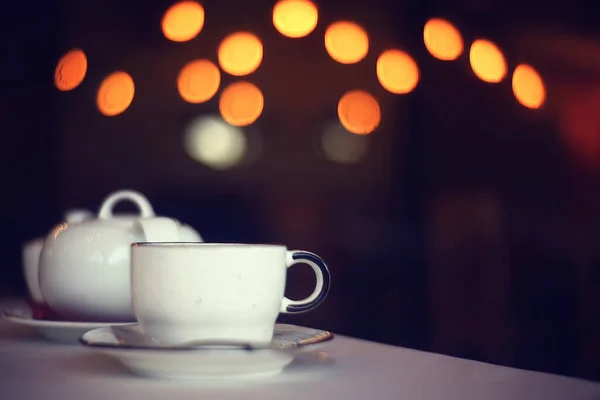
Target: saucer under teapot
(66,332)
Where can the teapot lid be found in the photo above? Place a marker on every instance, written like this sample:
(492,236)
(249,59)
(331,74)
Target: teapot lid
(142,203)
(77,215)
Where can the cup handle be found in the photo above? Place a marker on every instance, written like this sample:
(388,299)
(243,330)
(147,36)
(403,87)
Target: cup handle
(321,289)
(106,210)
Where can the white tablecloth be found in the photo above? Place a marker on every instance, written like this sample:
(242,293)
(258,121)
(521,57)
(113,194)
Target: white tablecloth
(31,368)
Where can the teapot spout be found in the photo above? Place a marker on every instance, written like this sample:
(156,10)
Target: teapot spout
(159,229)
(189,234)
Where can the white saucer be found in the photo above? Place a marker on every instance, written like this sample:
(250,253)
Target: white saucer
(144,355)
(55,331)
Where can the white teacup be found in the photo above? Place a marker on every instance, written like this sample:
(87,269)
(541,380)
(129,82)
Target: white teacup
(184,292)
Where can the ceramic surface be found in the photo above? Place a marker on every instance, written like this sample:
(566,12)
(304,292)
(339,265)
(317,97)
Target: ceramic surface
(55,331)
(31,261)
(32,249)
(146,356)
(85,267)
(211,291)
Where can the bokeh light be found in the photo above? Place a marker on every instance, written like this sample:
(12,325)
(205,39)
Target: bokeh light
(70,70)
(487,61)
(183,21)
(359,112)
(240,53)
(241,103)
(295,18)
(442,39)
(255,145)
(528,86)
(115,93)
(397,71)
(198,81)
(341,146)
(346,42)
(214,143)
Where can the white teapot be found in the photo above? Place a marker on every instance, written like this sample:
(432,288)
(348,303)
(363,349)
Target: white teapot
(85,267)
(31,250)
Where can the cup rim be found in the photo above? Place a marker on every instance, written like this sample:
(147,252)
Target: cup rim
(176,245)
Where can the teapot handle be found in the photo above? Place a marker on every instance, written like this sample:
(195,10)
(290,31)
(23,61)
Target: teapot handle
(106,210)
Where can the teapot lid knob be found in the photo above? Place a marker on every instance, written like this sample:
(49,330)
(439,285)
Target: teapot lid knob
(142,203)
(77,215)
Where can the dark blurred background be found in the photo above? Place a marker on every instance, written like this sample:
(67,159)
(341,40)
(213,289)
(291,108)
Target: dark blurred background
(469,228)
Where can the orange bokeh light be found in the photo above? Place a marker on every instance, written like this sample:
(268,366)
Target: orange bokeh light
(183,21)
(346,42)
(442,39)
(528,86)
(397,71)
(359,112)
(487,61)
(115,93)
(295,18)
(240,53)
(70,70)
(198,81)
(241,103)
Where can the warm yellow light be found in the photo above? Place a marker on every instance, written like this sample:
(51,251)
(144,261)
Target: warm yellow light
(198,81)
(183,21)
(346,42)
(215,143)
(442,39)
(487,61)
(528,86)
(115,93)
(397,71)
(295,18)
(70,70)
(240,53)
(241,103)
(359,112)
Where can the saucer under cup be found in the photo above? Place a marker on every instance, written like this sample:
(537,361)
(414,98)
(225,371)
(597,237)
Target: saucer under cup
(145,357)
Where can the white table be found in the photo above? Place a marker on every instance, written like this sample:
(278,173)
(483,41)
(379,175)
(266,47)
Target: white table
(31,368)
